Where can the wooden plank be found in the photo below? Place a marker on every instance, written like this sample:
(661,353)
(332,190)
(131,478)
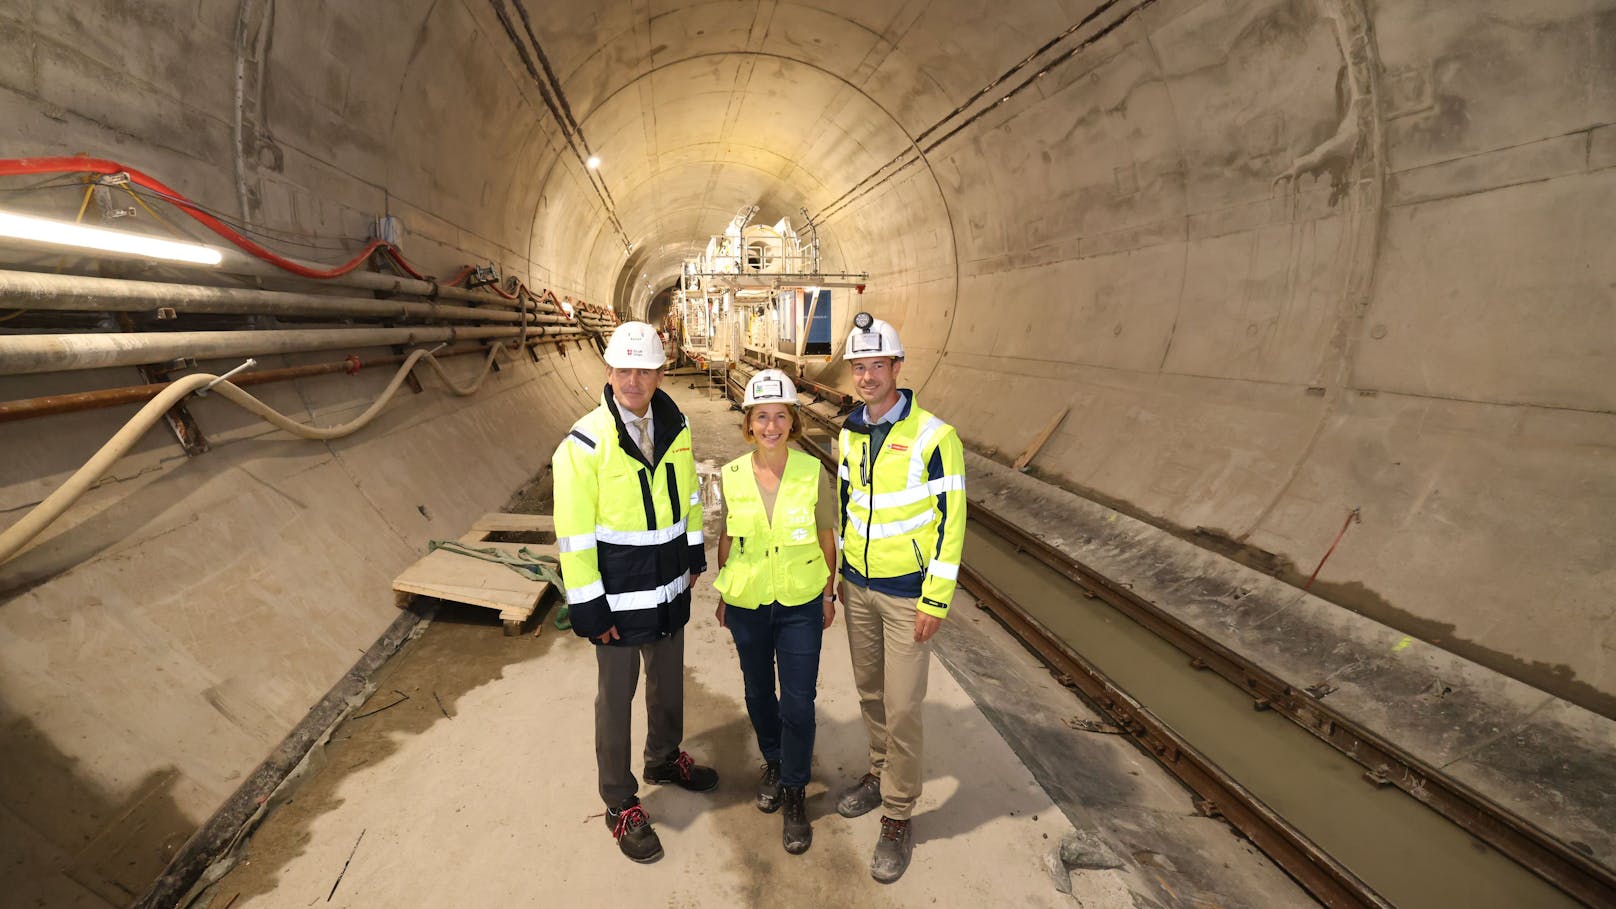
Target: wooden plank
(1037,443)
(463,579)
(515,523)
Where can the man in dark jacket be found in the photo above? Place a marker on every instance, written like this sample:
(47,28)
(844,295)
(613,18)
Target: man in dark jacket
(628,525)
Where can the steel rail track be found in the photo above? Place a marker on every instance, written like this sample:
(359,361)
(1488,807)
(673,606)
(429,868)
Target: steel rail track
(1385,764)
(1220,795)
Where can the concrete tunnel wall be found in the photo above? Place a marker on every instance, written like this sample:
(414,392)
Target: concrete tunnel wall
(1281,258)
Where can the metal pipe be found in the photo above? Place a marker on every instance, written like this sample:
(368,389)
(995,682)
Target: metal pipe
(35,291)
(243,264)
(22,354)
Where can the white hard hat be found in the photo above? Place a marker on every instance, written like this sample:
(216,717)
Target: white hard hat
(635,345)
(872,337)
(771,386)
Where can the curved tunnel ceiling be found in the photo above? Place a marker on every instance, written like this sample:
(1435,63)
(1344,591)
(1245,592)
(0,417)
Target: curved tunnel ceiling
(1276,259)
(1256,264)
(1236,240)
(696,114)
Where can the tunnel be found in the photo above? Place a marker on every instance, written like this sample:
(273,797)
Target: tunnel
(1321,288)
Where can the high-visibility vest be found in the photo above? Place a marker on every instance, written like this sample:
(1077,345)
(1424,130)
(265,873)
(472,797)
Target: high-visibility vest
(776,560)
(628,527)
(903,507)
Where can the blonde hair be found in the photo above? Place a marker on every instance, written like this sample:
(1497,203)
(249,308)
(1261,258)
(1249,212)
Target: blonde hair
(796,423)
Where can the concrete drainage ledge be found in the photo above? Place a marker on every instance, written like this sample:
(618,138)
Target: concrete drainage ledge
(1537,756)
(209,853)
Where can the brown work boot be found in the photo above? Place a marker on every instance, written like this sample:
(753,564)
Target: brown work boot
(860,798)
(632,829)
(892,850)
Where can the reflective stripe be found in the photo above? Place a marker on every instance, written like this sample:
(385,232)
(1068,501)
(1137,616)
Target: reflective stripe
(580,439)
(576,543)
(891,528)
(640,537)
(584,594)
(695,498)
(943,570)
(917,451)
(648,599)
(842,471)
(954,483)
(695,538)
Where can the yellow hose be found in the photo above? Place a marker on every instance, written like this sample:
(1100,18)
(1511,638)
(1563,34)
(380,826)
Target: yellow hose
(15,537)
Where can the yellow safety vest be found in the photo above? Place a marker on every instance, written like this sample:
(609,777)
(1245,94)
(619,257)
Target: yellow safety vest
(772,561)
(903,507)
(628,526)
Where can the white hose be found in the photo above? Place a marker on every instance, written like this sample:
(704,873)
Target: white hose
(15,537)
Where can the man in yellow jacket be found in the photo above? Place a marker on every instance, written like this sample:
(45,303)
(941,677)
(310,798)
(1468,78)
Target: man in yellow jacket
(628,525)
(902,490)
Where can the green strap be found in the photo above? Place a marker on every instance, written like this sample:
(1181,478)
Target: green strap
(525,562)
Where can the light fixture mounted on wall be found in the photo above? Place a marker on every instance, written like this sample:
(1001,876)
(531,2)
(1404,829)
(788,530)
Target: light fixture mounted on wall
(61,233)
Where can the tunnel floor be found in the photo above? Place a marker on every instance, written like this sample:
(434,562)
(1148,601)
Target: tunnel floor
(467,779)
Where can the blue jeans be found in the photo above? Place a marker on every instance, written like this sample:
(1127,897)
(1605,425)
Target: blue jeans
(788,637)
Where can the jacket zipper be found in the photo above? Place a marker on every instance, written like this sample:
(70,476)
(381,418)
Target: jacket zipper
(918,562)
(868,470)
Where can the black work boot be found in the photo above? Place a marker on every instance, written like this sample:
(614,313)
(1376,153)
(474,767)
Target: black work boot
(797,835)
(684,772)
(860,798)
(892,850)
(632,829)
(768,800)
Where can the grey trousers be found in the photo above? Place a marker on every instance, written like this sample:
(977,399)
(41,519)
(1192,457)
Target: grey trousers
(619,667)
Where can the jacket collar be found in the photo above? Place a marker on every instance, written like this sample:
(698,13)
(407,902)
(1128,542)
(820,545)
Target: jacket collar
(667,423)
(857,421)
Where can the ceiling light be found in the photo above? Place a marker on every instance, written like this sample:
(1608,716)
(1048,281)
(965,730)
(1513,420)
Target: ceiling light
(61,233)
(593,163)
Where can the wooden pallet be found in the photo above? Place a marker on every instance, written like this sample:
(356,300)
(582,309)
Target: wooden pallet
(462,579)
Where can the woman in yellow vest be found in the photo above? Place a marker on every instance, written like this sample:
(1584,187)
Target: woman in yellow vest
(776,549)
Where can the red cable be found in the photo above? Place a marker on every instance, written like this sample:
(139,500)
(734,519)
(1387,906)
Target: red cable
(10,167)
(1351,516)
(398,259)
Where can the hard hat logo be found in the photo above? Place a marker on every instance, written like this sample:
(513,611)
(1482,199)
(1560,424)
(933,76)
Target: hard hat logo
(771,386)
(635,345)
(872,337)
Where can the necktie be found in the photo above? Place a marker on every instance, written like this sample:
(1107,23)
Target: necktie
(637,430)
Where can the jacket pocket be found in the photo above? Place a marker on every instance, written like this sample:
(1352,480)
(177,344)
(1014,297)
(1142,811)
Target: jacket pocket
(920,560)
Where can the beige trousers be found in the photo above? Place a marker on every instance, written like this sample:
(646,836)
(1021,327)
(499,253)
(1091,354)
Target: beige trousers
(889,669)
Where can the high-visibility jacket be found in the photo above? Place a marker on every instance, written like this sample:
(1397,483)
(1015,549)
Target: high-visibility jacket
(903,507)
(628,527)
(774,559)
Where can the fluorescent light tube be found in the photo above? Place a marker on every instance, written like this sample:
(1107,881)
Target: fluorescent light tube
(42,230)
